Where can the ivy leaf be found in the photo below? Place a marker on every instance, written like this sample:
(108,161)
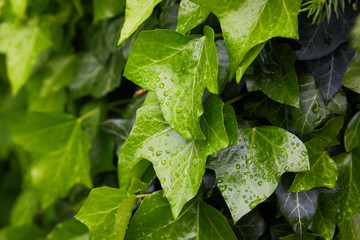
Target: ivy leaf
(100,212)
(29,231)
(348,187)
(136,12)
(248,24)
(96,79)
(298,207)
(338,105)
(107,9)
(190,15)
(24,209)
(19,7)
(312,107)
(319,40)
(14,41)
(250,227)
(248,172)
(324,220)
(179,163)
(352,133)
(69,229)
(223,64)
(330,70)
(58,137)
(197,220)
(320,162)
(154,65)
(281,85)
(351,79)
(352,230)
(328,134)
(258,106)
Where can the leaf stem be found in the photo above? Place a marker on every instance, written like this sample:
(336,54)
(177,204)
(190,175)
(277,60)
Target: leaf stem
(218,35)
(142,195)
(235,99)
(120,102)
(88,114)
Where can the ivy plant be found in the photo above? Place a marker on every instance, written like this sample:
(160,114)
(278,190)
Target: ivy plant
(179,119)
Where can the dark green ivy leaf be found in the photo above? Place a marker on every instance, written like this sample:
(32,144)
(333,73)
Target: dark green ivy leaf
(246,25)
(330,70)
(179,163)
(352,230)
(251,226)
(189,16)
(198,220)
(177,68)
(248,172)
(298,207)
(352,133)
(351,79)
(348,187)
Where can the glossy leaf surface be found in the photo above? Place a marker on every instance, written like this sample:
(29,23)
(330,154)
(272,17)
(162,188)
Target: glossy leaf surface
(246,24)
(190,15)
(248,172)
(352,133)
(250,227)
(153,220)
(351,79)
(177,68)
(179,163)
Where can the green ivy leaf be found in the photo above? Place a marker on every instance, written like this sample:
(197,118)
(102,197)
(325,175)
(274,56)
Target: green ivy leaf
(24,209)
(19,7)
(351,79)
(104,9)
(324,220)
(69,229)
(100,212)
(58,137)
(320,162)
(352,230)
(338,105)
(190,15)
(281,85)
(248,24)
(352,133)
(348,187)
(298,208)
(251,226)
(248,172)
(136,12)
(197,220)
(30,231)
(15,40)
(118,129)
(179,163)
(177,68)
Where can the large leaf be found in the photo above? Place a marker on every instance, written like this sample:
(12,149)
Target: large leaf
(281,84)
(312,107)
(99,212)
(70,230)
(22,45)
(177,68)
(319,40)
(60,150)
(348,187)
(136,12)
(352,230)
(320,162)
(248,172)
(190,15)
(107,8)
(324,220)
(351,79)
(247,24)
(352,133)
(330,70)
(179,163)
(298,208)
(153,220)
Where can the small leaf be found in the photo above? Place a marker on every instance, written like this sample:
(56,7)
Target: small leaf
(104,9)
(136,12)
(351,79)
(330,70)
(338,105)
(348,187)
(320,162)
(298,207)
(69,229)
(179,163)
(324,220)
(197,220)
(123,216)
(189,16)
(280,85)
(352,133)
(100,212)
(154,65)
(248,172)
(248,24)
(250,227)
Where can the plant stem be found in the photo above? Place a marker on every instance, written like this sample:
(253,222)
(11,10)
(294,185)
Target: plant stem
(88,114)
(218,35)
(235,99)
(120,102)
(142,195)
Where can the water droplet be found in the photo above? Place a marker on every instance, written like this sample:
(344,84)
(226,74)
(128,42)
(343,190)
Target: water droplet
(286,168)
(242,146)
(243,196)
(222,188)
(315,109)
(304,153)
(158,153)
(163,162)
(259,183)
(317,122)
(238,166)
(292,143)
(178,110)
(219,180)
(151,149)
(230,189)
(167,151)
(291,164)
(162,85)
(157,79)
(166,93)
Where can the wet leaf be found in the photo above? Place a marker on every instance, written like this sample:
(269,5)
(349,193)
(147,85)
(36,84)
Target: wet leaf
(189,16)
(352,230)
